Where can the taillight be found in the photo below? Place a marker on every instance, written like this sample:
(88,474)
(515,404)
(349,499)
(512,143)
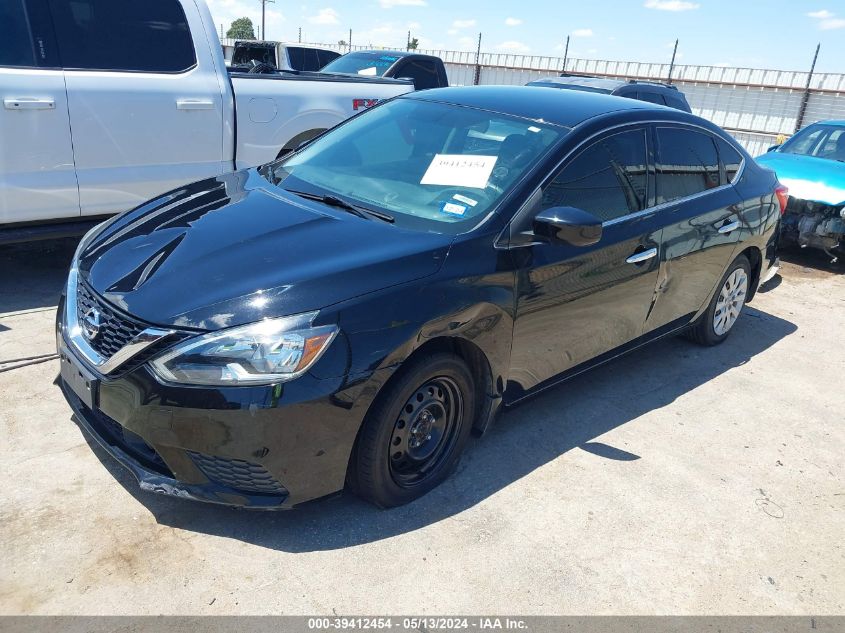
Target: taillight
(783,197)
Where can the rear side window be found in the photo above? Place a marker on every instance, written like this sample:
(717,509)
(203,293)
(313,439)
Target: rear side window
(423,72)
(608,179)
(651,97)
(27,38)
(304,58)
(123,35)
(731,159)
(687,163)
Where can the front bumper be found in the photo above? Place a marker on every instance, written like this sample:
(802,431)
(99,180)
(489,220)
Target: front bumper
(258,447)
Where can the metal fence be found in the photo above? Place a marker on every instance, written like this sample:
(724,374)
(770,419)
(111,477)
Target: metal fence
(756,106)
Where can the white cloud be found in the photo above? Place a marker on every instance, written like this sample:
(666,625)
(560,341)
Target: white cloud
(513,22)
(324,16)
(831,24)
(671,5)
(463,24)
(512,46)
(827,21)
(582,33)
(389,4)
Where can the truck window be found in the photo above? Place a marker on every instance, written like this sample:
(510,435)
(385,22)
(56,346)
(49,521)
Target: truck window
(422,71)
(124,35)
(301,58)
(326,57)
(27,39)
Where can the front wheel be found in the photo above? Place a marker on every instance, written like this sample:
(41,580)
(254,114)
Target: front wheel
(415,432)
(714,326)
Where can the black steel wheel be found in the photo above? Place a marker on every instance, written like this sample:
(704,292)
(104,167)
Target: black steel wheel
(415,431)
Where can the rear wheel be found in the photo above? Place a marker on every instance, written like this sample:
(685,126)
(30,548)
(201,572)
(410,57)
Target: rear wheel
(714,326)
(415,432)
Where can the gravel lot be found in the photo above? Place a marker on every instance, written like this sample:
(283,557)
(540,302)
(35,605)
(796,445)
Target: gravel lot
(676,480)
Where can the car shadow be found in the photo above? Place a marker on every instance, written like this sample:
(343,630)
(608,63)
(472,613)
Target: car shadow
(568,417)
(34,273)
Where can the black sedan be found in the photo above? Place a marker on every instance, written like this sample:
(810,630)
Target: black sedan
(345,317)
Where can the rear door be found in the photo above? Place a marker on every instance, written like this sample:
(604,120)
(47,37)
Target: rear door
(37,176)
(702,217)
(145,104)
(577,303)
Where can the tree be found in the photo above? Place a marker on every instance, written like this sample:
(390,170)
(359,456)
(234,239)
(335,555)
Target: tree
(413,44)
(241,29)
(341,42)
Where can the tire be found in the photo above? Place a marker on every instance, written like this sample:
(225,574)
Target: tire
(415,431)
(727,303)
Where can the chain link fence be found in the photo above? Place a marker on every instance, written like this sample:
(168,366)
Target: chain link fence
(759,107)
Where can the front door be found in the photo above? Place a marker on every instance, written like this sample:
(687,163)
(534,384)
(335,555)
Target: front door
(37,176)
(146,108)
(574,304)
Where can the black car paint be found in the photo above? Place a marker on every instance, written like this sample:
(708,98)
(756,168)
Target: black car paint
(500,300)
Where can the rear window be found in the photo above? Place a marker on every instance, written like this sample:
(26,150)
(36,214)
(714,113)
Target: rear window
(687,163)
(368,64)
(123,35)
(651,97)
(27,39)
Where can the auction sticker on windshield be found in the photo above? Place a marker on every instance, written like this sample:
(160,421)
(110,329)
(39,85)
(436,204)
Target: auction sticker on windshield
(459,170)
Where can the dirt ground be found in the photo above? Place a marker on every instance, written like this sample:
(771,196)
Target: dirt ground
(676,480)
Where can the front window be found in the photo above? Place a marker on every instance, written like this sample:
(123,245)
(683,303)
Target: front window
(430,165)
(821,141)
(368,64)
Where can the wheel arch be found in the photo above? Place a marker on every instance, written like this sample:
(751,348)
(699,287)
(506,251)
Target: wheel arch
(755,258)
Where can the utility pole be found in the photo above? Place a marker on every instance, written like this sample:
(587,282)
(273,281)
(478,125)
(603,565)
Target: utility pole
(672,65)
(263,12)
(350,40)
(408,45)
(300,35)
(565,54)
(477,78)
(806,99)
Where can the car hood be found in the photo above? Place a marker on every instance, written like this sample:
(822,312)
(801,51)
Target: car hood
(235,249)
(808,178)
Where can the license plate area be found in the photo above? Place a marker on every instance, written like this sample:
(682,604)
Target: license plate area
(82,382)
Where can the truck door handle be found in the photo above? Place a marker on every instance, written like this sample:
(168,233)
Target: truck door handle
(642,256)
(194,104)
(27,103)
(729,227)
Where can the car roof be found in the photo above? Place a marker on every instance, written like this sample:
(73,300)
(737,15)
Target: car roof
(567,108)
(600,83)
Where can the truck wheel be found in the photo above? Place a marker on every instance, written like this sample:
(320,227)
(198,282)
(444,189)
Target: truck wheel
(414,433)
(714,326)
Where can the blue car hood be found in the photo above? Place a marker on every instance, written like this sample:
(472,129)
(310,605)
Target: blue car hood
(808,178)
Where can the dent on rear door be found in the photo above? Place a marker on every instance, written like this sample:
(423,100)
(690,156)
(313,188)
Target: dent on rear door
(694,251)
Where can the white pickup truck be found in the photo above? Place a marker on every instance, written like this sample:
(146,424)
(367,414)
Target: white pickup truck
(107,103)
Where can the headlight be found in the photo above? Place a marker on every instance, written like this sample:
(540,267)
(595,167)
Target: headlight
(274,350)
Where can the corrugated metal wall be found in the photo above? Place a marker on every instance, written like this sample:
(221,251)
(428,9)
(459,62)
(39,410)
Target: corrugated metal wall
(755,105)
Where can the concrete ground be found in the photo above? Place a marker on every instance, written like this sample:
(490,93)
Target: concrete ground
(676,480)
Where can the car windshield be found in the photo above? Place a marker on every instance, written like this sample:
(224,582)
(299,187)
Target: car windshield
(431,165)
(371,64)
(821,141)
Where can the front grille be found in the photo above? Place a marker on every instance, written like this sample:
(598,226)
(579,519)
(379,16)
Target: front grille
(116,329)
(237,474)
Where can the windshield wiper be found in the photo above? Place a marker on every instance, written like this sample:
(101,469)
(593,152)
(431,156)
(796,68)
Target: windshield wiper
(340,203)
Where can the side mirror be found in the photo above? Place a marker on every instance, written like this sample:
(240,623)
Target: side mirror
(568,224)
(772,148)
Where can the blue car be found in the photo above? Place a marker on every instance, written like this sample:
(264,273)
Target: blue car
(812,165)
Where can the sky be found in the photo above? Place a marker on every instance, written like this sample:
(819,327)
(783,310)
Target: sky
(776,34)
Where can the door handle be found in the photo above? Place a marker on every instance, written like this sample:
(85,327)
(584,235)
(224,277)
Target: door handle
(642,256)
(194,104)
(26,103)
(729,227)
